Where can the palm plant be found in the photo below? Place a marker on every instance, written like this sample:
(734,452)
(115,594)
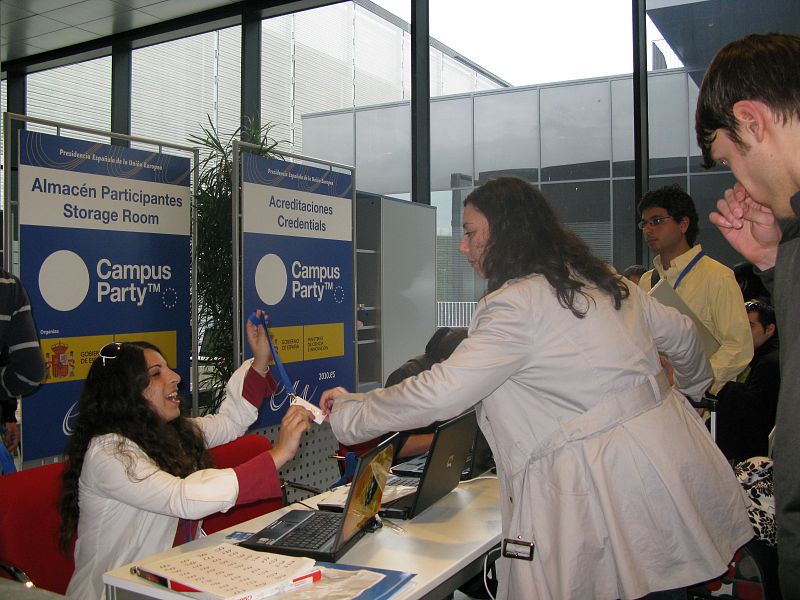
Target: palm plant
(214,248)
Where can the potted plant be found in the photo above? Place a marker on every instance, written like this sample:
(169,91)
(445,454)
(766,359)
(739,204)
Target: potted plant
(214,251)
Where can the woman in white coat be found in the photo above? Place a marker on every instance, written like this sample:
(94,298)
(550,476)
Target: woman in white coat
(603,466)
(139,473)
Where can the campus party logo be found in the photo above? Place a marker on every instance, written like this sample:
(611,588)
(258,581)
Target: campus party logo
(64,282)
(308,281)
(68,425)
(121,283)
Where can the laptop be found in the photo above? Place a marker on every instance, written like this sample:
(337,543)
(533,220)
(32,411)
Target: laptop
(325,535)
(441,471)
(480,459)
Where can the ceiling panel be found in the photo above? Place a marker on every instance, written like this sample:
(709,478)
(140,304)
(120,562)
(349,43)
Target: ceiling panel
(28,27)
(12,13)
(87,10)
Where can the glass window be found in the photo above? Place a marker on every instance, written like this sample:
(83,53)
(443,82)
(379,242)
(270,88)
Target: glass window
(668,105)
(451,143)
(78,94)
(507,134)
(383,150)
(683,37)
(178,86)
(576,131)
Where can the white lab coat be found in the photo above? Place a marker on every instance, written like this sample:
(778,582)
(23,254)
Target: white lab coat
(601,464)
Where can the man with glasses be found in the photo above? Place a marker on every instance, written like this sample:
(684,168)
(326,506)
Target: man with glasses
(669,225)
(748,118)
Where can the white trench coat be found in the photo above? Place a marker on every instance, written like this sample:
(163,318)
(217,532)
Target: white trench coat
(601,464)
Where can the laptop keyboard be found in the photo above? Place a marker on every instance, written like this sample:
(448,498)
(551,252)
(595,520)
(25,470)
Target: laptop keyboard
(314,532)
(409,481)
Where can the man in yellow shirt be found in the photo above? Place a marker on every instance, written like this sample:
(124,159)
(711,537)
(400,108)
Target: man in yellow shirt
(709,288)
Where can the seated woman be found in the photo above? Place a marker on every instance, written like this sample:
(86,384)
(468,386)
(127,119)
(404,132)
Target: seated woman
(139,471)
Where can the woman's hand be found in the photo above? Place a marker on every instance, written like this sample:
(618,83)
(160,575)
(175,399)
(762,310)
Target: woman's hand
(294,424)
(259,344)
(328,398)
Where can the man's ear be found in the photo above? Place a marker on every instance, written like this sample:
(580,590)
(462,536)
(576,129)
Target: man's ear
(752,117)
(770,330)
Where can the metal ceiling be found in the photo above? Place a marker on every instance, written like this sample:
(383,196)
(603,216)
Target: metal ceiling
(41,32)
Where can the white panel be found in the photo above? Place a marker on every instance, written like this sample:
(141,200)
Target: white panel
(451,142)
(575,124)
(622,119)
(457,78)
(229,96)
(378,59)
(436,72)
(330,137)
(408,280)
(323,59)
(383,149)
(506,131)
(294,213)
(173,88)
(111,203)
(667,110)
(276,75)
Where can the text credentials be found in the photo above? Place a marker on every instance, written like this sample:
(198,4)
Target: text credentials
(142,280)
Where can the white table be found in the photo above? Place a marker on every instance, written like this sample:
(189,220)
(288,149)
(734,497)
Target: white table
(444,546)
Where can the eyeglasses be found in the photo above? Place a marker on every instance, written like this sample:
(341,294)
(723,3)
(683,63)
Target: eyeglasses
(655,221)
(110,351)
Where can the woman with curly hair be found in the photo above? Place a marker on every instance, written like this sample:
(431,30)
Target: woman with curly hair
(139,472)
(610,485)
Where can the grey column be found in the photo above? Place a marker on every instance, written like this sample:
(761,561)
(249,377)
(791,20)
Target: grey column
(420,103)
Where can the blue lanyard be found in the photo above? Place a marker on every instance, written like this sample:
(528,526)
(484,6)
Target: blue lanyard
(688,267)
(281,371)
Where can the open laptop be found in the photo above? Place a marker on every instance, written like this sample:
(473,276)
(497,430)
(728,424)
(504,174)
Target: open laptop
(479,458)
(325,535)
(441,472)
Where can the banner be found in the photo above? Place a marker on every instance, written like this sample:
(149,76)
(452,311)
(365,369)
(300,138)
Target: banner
(105,237)
(297,264)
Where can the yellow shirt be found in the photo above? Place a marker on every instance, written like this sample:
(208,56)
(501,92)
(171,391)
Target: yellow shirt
(711,291)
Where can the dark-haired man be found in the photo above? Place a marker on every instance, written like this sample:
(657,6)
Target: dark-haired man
(748,118)
(747,406)
(669,225)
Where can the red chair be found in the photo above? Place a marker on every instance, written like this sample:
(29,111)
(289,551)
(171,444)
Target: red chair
(230,455)
(29,517)
(29,523)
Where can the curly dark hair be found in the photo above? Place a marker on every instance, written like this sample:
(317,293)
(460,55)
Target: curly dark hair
(678,205)
(112,401)
(526,236)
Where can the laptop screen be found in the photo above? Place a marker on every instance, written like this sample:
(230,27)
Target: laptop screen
(366,490)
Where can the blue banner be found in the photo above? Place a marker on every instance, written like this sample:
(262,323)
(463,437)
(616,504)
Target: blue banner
(297,264)
(104,255)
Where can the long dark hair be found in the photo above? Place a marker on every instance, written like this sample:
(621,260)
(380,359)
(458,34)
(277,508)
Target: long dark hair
(112,401)
(526,236)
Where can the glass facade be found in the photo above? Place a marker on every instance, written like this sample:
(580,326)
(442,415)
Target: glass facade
(178,86)
(78,94)
(336,84)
